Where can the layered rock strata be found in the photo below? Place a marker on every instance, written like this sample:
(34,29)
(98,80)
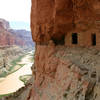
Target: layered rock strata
(9,37)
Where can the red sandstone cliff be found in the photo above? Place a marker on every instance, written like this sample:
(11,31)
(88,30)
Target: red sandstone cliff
(23,35)
(4,24)
(58,77)
(6,38)
(10,36)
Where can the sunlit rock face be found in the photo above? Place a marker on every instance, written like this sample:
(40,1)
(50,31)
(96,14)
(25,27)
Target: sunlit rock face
(9,37)
(6,38)
(58,77)
(4,24)
(24,36)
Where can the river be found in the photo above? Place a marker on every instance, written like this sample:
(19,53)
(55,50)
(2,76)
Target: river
(11,83)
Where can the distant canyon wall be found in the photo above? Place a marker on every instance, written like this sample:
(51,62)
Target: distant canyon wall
(9,37)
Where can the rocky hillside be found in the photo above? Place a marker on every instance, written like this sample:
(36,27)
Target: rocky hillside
(10,53)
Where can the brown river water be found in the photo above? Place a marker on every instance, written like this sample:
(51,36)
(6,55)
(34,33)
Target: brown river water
(11,83)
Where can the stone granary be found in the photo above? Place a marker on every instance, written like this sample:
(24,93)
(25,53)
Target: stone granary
(85,29)
(84,38)
(73,22)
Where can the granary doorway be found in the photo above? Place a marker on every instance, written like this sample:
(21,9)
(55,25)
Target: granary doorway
(74,38)
(93,37)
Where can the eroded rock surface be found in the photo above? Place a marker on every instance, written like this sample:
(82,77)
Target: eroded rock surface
(63,73)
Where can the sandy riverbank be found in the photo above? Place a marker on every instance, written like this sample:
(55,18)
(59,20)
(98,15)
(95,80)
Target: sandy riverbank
(12,83)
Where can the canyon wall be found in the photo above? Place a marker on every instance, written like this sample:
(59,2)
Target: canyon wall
(9,37)
(4,24)
(6,38)
(24,36)
(64,72)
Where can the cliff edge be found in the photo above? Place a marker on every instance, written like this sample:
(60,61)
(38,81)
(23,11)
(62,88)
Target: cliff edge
(64,72)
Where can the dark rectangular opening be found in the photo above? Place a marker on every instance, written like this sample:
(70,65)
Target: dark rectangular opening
(74,38)
(60,41)
(93,39)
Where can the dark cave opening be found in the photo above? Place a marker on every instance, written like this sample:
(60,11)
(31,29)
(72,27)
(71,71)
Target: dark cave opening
(60,41)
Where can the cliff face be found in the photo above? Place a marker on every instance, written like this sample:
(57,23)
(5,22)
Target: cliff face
(63,73)
(23,35)
(6,38)
(4,24)
(10,37)
(53,19)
